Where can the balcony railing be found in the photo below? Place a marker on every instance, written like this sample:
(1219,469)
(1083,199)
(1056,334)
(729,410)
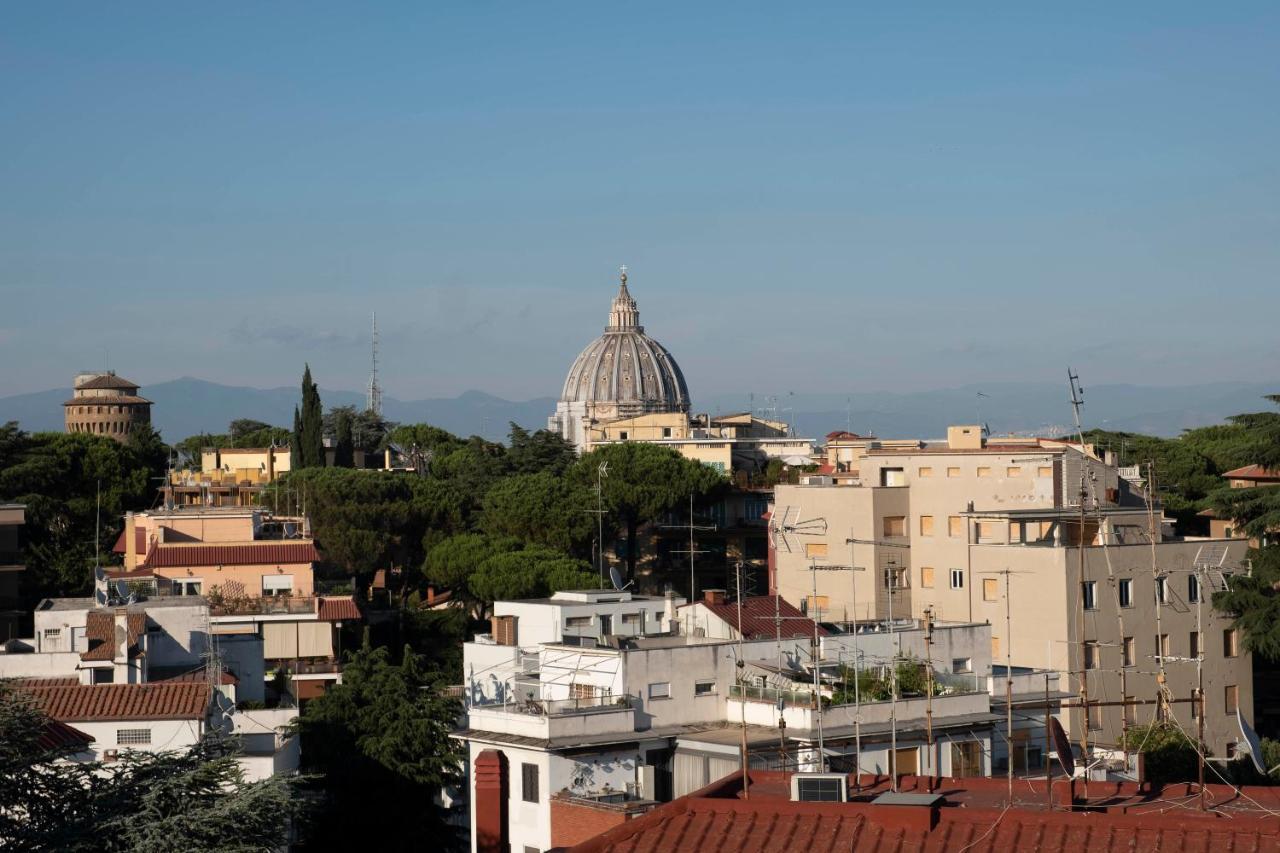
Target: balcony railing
(772,695)
(263,606)
(565,707)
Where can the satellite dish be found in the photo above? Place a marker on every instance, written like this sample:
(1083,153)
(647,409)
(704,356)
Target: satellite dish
(1254,745)
(616,577)
(1062,746)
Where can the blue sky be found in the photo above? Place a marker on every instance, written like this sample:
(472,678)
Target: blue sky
(833,198)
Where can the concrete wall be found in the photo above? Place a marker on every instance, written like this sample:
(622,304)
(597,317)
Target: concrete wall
(165,734)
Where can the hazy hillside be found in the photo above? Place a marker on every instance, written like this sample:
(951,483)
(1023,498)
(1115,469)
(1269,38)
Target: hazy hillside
(187,406)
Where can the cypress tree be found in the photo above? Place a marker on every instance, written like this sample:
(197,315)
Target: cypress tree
(344,455)
(312,429)
(295,442)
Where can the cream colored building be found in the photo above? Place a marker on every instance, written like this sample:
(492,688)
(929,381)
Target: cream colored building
(936,525)
(728,443)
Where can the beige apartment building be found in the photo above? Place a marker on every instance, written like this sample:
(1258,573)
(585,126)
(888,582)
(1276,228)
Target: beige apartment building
(939,525)
(728,443)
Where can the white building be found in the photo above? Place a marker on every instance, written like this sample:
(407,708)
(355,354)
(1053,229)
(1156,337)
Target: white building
(608,695)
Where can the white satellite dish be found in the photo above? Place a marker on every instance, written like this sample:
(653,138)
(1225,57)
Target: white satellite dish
(1253,744)
(616,577)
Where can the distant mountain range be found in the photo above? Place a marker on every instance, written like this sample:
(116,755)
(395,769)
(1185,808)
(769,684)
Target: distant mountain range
(188,406)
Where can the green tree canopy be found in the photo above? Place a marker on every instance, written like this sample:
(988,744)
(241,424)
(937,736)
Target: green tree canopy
(644,481)
(531,453)
(59,476)
(378,743)
(367,520)
(310,424)
(344,445)
(482,569)
(193,800)
(543,508)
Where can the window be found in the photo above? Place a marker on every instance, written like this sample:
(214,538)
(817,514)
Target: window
(926,577)
(895,525)
(578,622)
(955,525)
(1162,645)
(529,782)
(966,758)
(988,531)
(1193,589)
(953,472)
(1095,717)
(277,584)
(1089,594)
(815,604)
(1195,644)
(895,577)
(52,635)
(581,691)
(990,589)
(1230,645)
(622,435)
(1130,652)
(1228,533)
(924,471)
(893,477)
(666,432)
(957,578)
(984,471)
(962,664)
(1091,654)
(133,737)
(189,586)
(660,690)
(1013,471)
(926,525)
(606,625)
(704,688)
(1231,697)
(1125,592)
(1162,591)
(815,549)
(819,789)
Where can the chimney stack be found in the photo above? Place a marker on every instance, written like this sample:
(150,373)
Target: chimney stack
(120,636)
(713,596)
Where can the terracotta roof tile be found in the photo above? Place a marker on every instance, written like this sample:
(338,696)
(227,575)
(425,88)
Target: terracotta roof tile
(87,703)
(973,819)
(758,614)
(337,608)
(244,554)
(100,631)
(119,548)
(108,380)
(113,400)
(61,737)
(1252,472)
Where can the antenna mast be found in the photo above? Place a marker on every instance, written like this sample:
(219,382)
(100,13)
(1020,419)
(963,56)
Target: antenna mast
(1077,400)
(374,402)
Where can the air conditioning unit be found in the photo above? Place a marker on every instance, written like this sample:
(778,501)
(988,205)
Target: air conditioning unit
(819,788)
(110,755)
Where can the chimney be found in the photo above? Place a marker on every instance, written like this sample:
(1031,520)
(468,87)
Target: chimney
(713,596)
(669,609)
(120,635)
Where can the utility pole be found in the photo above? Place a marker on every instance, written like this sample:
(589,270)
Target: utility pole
(1077,400)
(814,657)
(602,471)
(742,703)
(928,707)
(1048,765)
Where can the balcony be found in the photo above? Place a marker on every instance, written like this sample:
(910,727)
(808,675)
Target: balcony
(557,718)
(772,695)
(271,605)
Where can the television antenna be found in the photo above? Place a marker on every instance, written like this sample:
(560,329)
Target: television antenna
(374,401)
(693,549)
(602,471)
(781,529)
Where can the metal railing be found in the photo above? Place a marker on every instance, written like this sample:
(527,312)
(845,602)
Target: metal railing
(563,707)
(794,698)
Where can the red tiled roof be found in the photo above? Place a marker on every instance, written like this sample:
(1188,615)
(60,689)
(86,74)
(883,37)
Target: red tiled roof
(199,675)
(337,608)
(100,631)
(62,738)
(758,617)
(128,574)
(1252,472)
(112,400)
(107,380)
(244,554)
(716,819)
(87,703)
(119,548)
(842,435)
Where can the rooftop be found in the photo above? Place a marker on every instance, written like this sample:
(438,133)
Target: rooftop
(100,631)
(764,616)
(87,703)
(1253,472)
(256,553)
(972,815)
